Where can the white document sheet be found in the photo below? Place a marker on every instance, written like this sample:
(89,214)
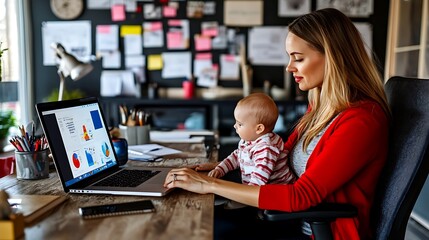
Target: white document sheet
(267,46)
(77,44)
(229,67)
(149,152)
(111,59)
(107,38)
(176,65)
(153,34)
(133,44)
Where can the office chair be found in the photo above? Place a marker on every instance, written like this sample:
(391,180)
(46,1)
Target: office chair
(402,178)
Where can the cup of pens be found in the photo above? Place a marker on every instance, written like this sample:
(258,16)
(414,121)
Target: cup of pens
(31,155)
(32,165)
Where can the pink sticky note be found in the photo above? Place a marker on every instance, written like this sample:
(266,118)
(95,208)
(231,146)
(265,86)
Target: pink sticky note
(118,12)
(155,26)
(103,29)
(169,11)
(174,23)
(174,40)
(230,58)
(203,56)
(203,43)
(210,32)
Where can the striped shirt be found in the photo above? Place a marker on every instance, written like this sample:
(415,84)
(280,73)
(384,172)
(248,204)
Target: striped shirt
(261,161)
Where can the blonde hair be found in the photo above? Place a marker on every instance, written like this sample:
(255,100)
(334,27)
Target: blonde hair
(350,74)
(262,108)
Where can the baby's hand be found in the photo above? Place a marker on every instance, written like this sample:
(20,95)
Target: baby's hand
(205,166)
(215,173)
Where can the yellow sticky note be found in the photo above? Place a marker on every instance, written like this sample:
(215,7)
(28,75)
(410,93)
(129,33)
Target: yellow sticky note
(154,62)
(131,30)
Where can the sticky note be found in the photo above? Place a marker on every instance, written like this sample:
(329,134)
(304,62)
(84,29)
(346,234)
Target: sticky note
(174,40)
(169,11)
(131,30)
(202,43)
(203,56)
(118,12)
(154,62)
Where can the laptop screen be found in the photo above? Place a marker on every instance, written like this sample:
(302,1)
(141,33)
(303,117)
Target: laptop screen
(80,140)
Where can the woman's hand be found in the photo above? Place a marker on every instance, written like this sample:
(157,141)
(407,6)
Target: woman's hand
(188,179)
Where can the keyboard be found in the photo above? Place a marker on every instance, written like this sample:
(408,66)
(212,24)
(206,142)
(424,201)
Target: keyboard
(127,178)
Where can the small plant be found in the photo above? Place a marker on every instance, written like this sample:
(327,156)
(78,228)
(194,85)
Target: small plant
(7,120)
(2,50)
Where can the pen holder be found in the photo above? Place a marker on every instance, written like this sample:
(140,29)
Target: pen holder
(32,165)
(135,135)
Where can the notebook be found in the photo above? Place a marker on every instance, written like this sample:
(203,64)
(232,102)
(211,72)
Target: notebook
(83,154)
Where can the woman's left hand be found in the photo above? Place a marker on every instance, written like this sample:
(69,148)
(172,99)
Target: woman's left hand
(188,179)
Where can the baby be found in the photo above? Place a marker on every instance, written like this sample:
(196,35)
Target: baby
(260,155)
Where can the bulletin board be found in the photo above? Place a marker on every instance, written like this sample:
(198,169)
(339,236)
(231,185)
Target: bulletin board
(273,14)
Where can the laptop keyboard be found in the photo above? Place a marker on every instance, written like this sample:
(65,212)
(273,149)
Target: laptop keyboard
(127,178)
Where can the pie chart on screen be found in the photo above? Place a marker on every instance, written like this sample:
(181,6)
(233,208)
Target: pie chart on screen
(106,150)
(76,161)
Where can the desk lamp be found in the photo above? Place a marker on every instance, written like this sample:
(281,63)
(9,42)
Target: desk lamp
(69,66)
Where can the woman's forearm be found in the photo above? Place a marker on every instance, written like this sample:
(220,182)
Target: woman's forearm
(238,192)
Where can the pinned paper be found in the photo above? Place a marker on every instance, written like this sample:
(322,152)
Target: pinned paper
(175,40)
(209,8)
(202,43)
(118,12)
(229,65)
(208,77)
(220,41)
(209,29)
(113,83)
(151,11)
(154,62)
(131,30)
(133,44)
(134,61)
(169,11)
(177,65)
(178,34)
(111,59)
(110,84)
(107,38)
(243,13)
(201,63)
(153,34)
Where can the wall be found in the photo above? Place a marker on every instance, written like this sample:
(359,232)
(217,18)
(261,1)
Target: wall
(46,78)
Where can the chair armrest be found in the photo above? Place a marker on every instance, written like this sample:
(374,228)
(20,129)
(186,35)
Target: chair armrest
(322,212)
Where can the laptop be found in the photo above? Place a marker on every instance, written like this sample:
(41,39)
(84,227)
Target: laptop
(83,152)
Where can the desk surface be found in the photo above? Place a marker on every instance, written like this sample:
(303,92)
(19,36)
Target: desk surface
(179,215)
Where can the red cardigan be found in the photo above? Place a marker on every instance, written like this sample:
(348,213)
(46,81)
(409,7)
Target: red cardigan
(343,168)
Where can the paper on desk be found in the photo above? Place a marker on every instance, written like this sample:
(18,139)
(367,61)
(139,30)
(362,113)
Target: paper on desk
(179,136)
(149,152)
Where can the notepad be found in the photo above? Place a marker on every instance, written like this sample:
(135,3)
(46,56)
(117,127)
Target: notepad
(149,152)
(35,207)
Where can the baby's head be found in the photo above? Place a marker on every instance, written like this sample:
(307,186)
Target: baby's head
(255,115)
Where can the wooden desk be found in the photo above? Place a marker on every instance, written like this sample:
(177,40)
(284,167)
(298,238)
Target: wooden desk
(179,215)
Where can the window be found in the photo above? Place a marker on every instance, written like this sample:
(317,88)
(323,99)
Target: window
(14,91)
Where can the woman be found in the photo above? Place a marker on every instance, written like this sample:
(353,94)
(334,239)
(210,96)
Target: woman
(339,146)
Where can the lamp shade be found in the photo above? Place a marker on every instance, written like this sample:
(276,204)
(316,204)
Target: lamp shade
(69,65)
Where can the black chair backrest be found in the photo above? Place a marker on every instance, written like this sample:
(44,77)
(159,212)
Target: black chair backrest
(407,166)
